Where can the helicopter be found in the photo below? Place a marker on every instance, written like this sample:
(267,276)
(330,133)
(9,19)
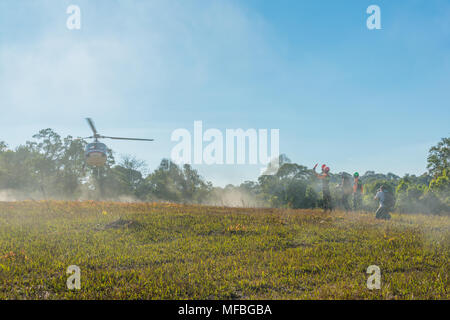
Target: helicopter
(95,152)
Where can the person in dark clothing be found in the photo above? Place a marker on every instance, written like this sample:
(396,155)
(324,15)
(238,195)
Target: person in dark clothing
(382,211)
(346,189)
(325,178)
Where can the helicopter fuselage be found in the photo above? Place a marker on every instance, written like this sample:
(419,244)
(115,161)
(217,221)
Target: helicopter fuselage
(95,154)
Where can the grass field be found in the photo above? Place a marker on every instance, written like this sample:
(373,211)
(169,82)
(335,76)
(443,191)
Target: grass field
(169,251)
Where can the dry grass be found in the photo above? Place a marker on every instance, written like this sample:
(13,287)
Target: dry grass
(169,251)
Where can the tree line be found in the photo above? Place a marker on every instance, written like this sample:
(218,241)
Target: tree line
(53,167)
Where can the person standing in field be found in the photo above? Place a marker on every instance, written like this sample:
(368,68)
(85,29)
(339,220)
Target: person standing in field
(382,211)
(357,192)
(346,189)
(325,178)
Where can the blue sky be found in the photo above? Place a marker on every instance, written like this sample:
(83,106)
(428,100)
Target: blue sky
(340,94)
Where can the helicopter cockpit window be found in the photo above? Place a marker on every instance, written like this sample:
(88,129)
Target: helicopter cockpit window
(96,146)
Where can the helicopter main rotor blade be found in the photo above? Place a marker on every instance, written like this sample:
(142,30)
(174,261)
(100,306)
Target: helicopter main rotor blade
(119,138)
(91,124)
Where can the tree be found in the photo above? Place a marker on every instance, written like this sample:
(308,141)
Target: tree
(71,167)
(441,183)
(3,146)
(127,177)
(165,183)
(195,189)
(288,187)
(439,158)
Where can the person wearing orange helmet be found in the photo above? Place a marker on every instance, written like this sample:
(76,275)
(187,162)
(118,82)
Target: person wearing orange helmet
(325,178)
